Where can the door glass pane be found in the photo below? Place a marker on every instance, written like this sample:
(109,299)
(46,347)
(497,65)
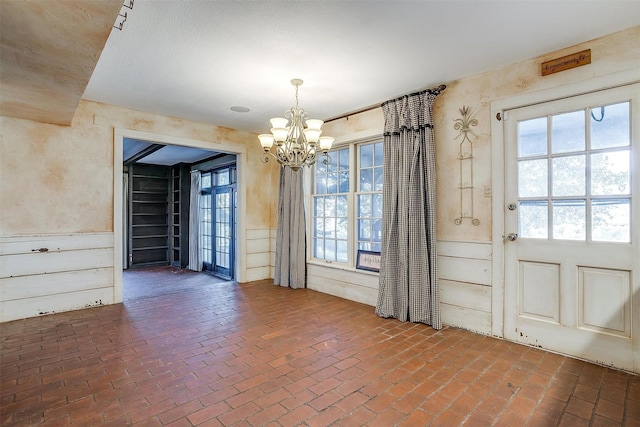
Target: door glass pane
(610,173)
(532,137)
(610,126)
(569,219)
(611,220)
(206,227)
(568,132)
(533,219)
(532,178)
(568,176)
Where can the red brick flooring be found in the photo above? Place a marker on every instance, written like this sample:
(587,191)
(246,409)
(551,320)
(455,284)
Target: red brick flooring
(212,353)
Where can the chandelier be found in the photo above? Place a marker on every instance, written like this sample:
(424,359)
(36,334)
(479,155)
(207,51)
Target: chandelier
(295,144)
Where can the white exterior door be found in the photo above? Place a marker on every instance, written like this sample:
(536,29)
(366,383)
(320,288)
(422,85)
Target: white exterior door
(572,219)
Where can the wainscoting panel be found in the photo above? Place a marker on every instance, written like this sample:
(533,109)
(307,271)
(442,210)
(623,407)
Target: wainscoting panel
(352,285)
(53,273)
(259,265)
(465,285)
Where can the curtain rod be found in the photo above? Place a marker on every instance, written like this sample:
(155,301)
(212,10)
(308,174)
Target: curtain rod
(436,91)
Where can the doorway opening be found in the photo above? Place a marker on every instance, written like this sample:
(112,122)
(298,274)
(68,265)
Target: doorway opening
(157,197)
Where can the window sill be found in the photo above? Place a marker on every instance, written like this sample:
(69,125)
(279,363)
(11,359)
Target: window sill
(343,267)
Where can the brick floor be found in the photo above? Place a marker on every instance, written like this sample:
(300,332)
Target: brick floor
(185,349)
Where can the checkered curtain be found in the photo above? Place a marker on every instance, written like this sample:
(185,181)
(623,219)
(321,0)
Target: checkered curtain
(291,254)
(408,273)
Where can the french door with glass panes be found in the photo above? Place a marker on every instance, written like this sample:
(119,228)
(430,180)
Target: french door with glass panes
(572,215)
(218,208)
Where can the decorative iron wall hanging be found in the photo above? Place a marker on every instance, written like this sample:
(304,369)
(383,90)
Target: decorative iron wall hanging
(463,125)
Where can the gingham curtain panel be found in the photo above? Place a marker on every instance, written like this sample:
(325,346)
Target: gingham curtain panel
(408,273)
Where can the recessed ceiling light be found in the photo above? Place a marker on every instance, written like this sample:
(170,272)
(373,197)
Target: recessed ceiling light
(239,109)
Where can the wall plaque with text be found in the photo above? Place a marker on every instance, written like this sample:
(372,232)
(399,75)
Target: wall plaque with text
(566,62)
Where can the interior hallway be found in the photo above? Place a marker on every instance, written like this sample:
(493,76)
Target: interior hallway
(220,353)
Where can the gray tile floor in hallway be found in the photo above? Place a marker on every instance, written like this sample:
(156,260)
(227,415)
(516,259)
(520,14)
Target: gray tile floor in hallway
(187,350)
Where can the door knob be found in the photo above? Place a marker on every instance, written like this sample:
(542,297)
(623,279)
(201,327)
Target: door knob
(512,236)
(512,206)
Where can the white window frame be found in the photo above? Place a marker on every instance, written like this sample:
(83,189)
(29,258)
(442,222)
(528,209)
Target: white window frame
(351,205)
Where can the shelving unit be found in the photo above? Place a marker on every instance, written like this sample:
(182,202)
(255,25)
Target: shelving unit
(179,239)
(148,225)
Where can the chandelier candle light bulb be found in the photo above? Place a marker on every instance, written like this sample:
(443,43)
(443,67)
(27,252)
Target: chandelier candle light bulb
(296,146)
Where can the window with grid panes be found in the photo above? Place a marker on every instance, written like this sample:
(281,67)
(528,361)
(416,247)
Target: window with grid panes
(369,196)
(355,175)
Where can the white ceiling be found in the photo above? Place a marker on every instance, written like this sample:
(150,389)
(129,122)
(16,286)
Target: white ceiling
(196,59)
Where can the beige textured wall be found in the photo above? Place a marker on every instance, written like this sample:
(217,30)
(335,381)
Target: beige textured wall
(58,179)
(610,54)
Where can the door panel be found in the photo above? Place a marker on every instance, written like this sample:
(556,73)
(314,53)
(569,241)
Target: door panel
(572,247)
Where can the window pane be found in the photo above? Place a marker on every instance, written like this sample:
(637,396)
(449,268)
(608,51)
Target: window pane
(364,229)
(533,219)
(321,168)
(610,173)
(342,228)
(330,228)
(532,178)
(321,184)
(318,229)
(377,205)
(567,132)
(364,205)
(378,179)
(318,206)
(332,182)
(343,159)
(376,230)
(569,220)
(330,249)
(366,156)
(329,206)
(342,252)
(344,182)
(366,180)
(611,220)
(222,177)
(342,206)
(318,248)
(532,137)
(568,176)
(205,181)
(610,126)
(379,154)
